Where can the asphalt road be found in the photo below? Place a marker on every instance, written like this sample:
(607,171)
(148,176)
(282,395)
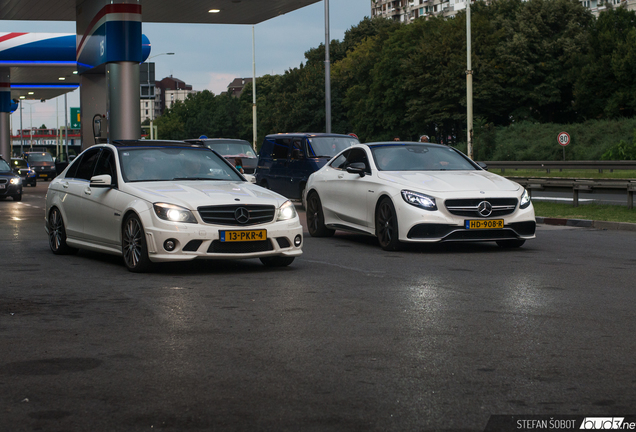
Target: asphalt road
(348,338)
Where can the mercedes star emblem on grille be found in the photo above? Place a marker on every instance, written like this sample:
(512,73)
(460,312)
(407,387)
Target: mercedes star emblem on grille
(484,208)
(242,215)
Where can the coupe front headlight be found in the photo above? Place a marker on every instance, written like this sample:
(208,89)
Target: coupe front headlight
(15,181)
(419,200)
(286,212)
(173,213)
(525,199)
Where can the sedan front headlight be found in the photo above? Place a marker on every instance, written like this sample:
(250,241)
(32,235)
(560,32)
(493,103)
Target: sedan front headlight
(419,200)
(173,213)
(15,181)
(286,212)
(525,199)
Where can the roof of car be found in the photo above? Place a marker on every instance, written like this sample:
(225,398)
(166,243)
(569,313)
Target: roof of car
(204,141)
(153,143)
(402,143)
(308,134)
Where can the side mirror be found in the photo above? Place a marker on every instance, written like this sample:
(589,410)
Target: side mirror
(357,168)
(483,165)
(103,180)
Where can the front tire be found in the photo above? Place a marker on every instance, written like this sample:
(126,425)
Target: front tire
(277,261)
(316,217)
(508,244)
(133,246)
(57,234)
(17,197)
(386,226)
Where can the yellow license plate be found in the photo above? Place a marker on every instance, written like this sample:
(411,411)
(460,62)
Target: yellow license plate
(42,175)
(242,236)
(484,224)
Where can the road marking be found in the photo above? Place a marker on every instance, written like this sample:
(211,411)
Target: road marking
(367,272)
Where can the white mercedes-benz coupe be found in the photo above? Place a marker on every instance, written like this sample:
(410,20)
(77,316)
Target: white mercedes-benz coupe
(414,192)
(159,201)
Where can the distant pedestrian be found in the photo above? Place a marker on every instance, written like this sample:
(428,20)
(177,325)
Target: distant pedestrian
(396,139)
(424,138)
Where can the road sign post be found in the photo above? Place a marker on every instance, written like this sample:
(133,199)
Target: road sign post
(563,139)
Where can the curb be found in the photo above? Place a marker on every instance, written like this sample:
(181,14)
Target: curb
(584,223)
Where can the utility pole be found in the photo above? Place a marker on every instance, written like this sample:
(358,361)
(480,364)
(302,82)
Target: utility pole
(254,131)
(469,84)
(327,72)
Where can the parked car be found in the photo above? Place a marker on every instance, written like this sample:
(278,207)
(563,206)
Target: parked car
(10,182)
(43,164)
(160,201)
(287,160)
(27,174)
(231,149)
(414,192)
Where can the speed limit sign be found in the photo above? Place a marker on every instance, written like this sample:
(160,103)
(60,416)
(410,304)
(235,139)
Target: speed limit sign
(563,139)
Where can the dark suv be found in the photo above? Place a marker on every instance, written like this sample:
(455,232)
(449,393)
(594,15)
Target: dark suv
(287,160)
(42,163)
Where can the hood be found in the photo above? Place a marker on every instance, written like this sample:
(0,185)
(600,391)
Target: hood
(193,194)
(450,181)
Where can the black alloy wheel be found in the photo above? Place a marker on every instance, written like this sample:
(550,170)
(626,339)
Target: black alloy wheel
(277,261)
(316,218)
(133,245)
(386,226)
(57,234)
(508,244)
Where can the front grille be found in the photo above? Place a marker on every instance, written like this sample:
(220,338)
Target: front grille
(192,246)
(283,242)
(468,207)
(477,235)
(226,215)
(240,247)
(524,228)
(429,231)
(4,181)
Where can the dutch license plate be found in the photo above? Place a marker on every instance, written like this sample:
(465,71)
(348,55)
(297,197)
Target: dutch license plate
(2,186)
(42,175)
(242,236)
(484,224)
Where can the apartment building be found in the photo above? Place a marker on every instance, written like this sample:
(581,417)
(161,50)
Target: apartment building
(406,11)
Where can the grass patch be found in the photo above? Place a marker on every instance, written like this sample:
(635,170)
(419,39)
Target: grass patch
(582,174)
(598,212)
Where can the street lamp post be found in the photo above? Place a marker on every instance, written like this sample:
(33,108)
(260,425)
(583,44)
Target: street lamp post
(469,84)
(152,108)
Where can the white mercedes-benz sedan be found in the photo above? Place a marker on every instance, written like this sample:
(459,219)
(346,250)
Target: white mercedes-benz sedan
(415,192)
(159,201)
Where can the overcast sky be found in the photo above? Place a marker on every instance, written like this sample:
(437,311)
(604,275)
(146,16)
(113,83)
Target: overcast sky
(210,56)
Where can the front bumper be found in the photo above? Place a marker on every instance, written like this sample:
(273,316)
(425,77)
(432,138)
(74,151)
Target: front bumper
(45,172)
(11,190)
(199,241)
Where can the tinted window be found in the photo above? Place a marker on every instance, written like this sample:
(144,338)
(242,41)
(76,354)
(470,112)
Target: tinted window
(19,163)
(106,165)
(233,149)
(40,157)
(415,157)
(4,166)
(87,165)
(281,148)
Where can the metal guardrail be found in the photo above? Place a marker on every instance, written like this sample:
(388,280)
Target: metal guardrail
(560,165)
(577,185)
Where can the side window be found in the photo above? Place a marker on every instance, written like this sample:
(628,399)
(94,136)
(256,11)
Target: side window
(106,165)
(297,149)
(359,155)
(87,165)
(339,162)
(281,148)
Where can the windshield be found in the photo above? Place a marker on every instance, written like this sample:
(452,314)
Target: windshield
(416,157)
(4,166)
(167,164)
(19,163)
(329,146)
(40,157)
(233,149)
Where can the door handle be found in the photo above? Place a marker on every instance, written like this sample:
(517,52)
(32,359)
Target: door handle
(65,185)
(340,175)
(87,191)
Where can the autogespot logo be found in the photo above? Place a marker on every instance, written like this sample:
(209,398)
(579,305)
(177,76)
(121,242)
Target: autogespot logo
(484,208)
(242,215)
